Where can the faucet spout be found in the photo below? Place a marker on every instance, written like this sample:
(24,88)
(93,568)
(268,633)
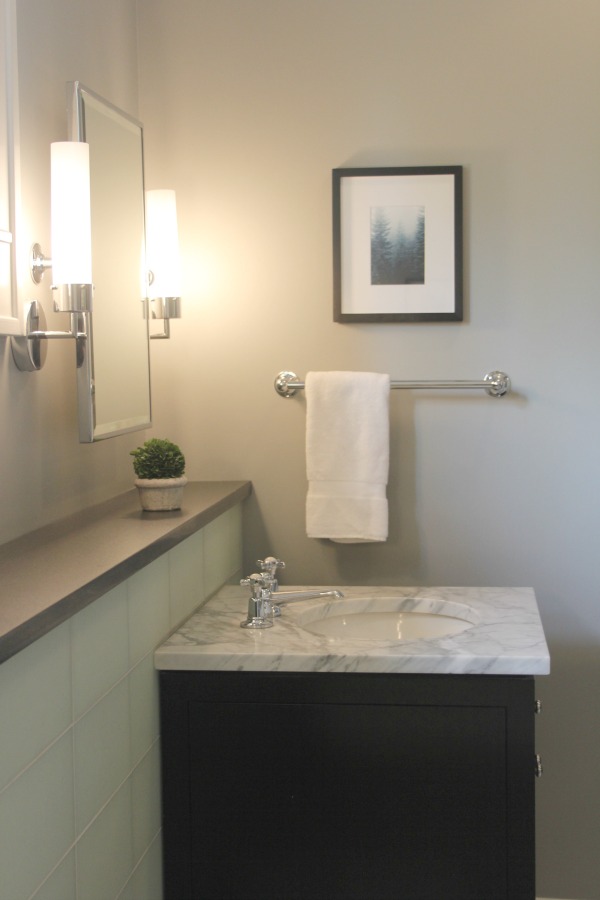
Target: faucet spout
(284,597)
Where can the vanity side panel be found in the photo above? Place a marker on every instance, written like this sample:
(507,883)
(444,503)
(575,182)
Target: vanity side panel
(520,823)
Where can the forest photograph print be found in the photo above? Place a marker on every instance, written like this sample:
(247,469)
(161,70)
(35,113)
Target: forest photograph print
(397,244)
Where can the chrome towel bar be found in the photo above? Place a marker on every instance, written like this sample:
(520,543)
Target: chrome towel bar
(495,383)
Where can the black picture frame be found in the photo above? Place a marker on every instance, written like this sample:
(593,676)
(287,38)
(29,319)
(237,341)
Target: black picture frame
(397,244)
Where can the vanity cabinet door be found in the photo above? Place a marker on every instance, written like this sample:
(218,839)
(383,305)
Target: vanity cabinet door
(359,789)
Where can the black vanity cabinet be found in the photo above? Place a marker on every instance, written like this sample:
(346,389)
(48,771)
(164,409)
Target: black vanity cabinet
(322,786)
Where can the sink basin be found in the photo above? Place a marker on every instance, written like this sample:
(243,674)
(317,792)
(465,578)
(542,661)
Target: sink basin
(388,626)
(387,619)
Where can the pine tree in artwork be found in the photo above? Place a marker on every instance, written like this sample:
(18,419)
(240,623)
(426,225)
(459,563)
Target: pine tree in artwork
(397,245)
(382,250)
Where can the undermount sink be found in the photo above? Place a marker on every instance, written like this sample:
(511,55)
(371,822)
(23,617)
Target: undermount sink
(387,619)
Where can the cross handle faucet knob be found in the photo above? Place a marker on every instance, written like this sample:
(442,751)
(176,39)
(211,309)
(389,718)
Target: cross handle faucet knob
(269,565)
(256,583)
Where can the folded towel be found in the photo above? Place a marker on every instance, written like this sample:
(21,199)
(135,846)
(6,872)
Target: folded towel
(347,455)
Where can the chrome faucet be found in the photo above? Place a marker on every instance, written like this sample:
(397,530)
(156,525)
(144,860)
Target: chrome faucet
(284,597)
(261,608)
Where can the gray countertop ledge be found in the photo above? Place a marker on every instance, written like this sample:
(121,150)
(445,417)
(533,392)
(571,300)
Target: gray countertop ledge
(48,575)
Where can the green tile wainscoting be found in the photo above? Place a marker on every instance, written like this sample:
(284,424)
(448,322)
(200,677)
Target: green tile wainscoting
(79,756)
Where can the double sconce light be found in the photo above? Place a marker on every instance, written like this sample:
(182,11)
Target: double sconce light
(71,261)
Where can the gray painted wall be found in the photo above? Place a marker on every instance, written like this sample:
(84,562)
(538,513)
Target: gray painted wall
(44,472)
(248,106)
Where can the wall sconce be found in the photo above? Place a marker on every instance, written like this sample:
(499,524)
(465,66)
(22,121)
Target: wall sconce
(71,261)
(162,257)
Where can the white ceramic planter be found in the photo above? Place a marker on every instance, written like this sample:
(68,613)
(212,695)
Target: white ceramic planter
(161,493)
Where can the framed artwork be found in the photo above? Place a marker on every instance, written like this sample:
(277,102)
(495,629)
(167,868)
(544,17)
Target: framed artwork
(397,244)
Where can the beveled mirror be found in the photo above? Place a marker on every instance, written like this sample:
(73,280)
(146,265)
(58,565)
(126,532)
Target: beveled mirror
(113,380)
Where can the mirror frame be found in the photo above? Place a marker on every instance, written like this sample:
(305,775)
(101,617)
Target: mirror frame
(90,429)
(10,191)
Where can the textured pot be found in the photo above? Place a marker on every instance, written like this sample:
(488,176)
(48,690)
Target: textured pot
(161,493)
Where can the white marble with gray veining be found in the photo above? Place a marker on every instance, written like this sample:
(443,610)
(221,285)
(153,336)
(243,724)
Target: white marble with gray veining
(506,636)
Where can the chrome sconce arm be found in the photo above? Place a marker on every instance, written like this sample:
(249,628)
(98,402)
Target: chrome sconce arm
(29,350)
(165,308)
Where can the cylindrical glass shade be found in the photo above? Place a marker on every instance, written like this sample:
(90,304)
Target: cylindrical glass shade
(70,215)
(162,244)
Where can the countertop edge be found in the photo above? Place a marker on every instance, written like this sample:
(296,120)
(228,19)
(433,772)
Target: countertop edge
(91,552)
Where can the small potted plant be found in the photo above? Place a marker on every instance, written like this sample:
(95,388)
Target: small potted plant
(159,465)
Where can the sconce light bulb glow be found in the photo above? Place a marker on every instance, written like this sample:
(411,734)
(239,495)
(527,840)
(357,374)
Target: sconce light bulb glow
(70,213)
(162,244)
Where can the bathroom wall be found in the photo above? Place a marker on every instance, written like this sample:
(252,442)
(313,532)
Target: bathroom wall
(44,472)
(247,108)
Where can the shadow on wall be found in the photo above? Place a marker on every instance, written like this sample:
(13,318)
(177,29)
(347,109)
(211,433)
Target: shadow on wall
(565,806)
(257,541)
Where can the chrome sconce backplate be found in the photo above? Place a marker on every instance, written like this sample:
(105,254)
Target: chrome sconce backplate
(29,353)
(29,350)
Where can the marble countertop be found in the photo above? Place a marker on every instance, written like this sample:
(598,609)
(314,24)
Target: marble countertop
(505,637)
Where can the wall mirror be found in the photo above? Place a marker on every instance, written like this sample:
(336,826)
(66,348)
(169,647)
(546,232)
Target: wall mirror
(113,380)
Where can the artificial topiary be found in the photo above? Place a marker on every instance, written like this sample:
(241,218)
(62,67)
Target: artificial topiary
(158,458)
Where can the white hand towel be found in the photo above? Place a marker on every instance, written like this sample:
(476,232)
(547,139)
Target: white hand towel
(347,455)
